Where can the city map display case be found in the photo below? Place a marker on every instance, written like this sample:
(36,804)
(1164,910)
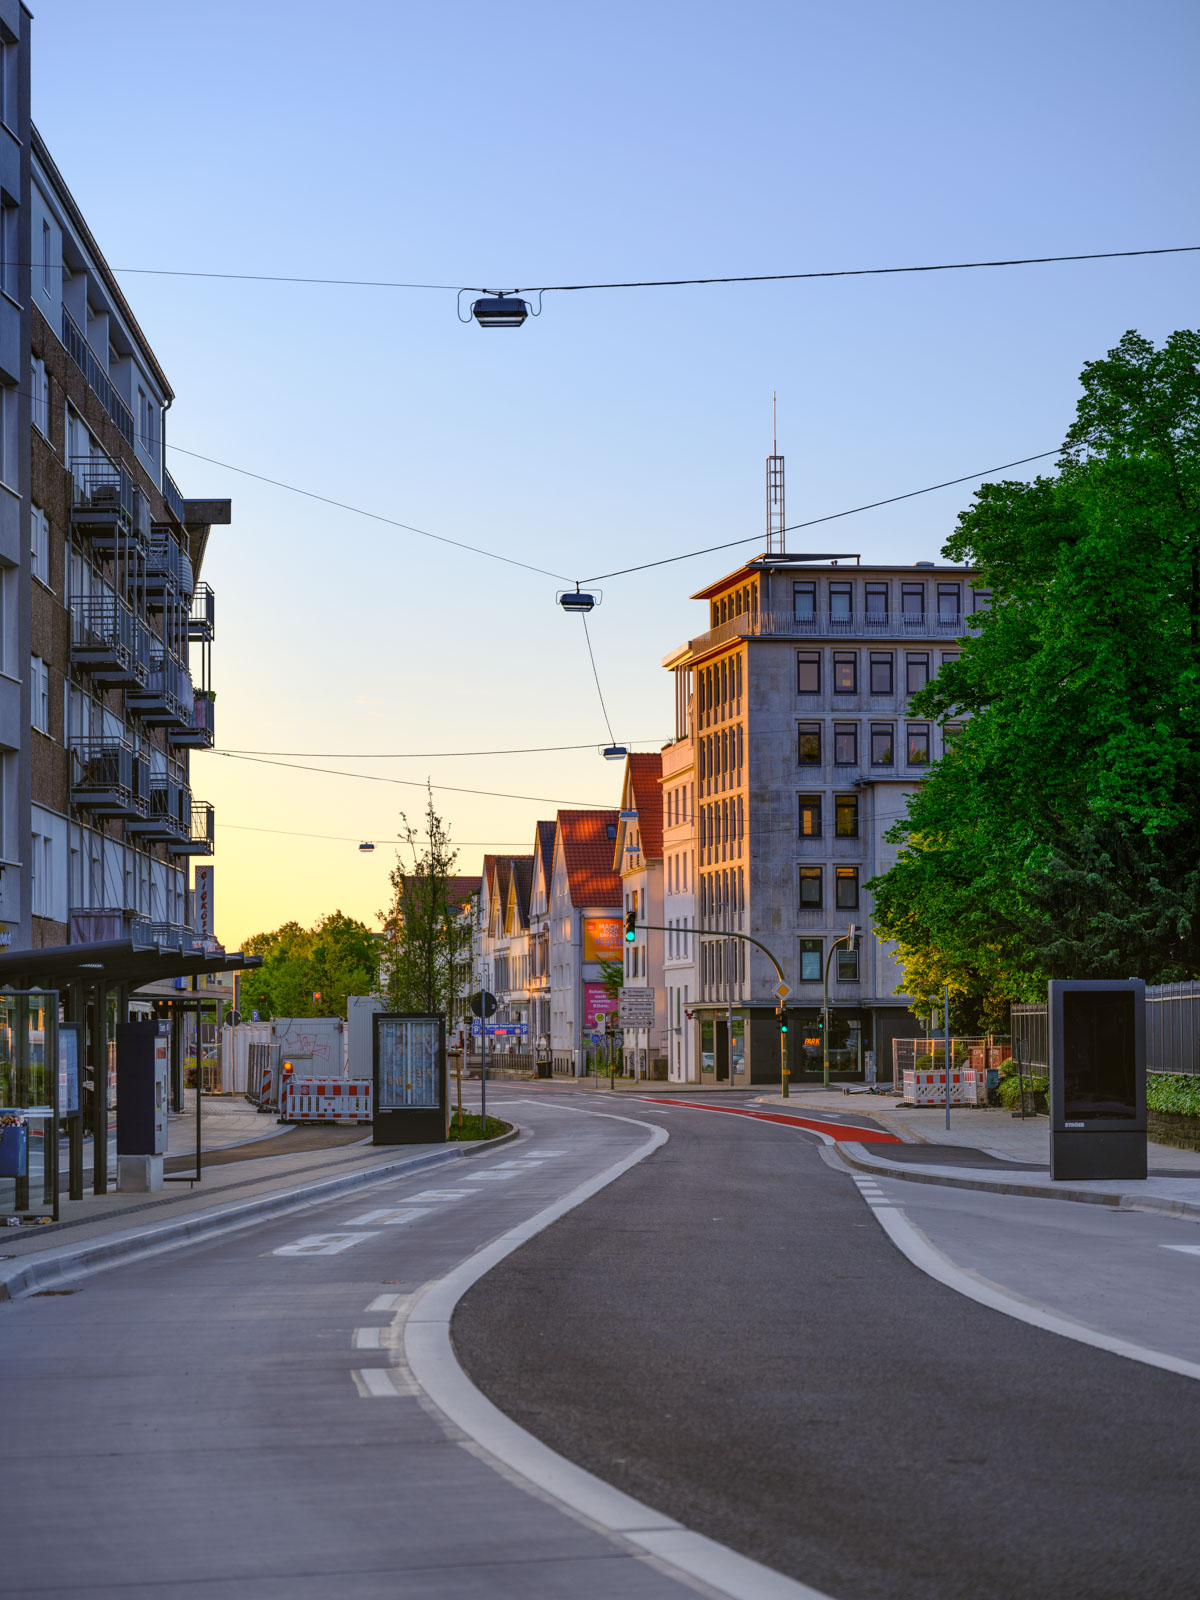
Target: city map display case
(409,1087)
(29,1110)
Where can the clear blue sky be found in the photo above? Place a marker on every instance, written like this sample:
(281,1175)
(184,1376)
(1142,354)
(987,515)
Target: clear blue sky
(462,145)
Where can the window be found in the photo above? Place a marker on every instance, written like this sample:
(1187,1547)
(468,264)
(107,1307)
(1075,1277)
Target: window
(10,252)
(950,732)
(847,966)
(808,672)
(846,888)
(840,596)
(810,816)
(881,672)
(916,671)
(912,599)
(808,750)
(845,744)
(810,888)
(39,693)
(804,602)
(845,812)
(10,67)
(877,603)
(41,398)
(881,744)
(39,544)
(950,655)
(948,602)
(46,241)
(845,672)
(9,438)
(810,961)
(918,744)
(982,600)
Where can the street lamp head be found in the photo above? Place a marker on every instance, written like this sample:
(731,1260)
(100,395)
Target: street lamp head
(499,311)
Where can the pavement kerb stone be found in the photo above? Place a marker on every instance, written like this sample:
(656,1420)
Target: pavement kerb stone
(856,1155)
(24,1276)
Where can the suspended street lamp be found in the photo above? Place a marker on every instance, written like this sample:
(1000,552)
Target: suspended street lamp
(576,601)
(499,310)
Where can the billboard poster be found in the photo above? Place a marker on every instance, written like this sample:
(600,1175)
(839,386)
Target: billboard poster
(202,904)
(409,1061)
(597,1002)
(603,939)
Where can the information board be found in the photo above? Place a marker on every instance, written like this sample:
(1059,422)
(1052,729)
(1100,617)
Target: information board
(409,1063)
(68,1068)
(635,1007)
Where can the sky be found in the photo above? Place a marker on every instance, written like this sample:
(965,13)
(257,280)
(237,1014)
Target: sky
(560,144)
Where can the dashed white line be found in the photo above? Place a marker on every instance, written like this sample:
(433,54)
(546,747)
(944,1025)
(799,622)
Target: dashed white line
(390,1219)
(367,1338)
(381,1383)
(322,1244)
(387,1302)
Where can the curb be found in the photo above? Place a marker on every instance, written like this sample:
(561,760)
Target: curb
(854,1155)
(71,1261)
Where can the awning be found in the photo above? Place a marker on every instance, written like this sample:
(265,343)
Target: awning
(111,962)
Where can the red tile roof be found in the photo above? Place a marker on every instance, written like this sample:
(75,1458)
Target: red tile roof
(587,842)
(645,778)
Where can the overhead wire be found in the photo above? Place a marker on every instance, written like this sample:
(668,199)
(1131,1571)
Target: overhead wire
(612,738)
(357,838)
(421,755)
(407,783)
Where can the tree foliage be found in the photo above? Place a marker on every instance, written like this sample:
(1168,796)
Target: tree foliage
(426,944)
(335,958)
(1059,836)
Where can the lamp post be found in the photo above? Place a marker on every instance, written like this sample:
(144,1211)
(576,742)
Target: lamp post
(848,940)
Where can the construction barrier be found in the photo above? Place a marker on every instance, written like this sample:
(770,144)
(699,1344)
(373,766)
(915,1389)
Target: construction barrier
(320,1100)
(967,1088)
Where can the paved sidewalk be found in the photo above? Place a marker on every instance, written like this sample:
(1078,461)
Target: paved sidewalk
(993,1150)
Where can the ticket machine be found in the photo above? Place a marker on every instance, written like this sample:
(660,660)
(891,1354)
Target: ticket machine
(143,1099)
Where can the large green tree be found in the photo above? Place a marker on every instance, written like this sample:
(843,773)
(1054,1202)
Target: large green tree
(1060,834)
(336,958)
(427,929)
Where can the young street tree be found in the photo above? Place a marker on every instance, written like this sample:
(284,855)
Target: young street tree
(1060,835)
(335,958)
(426,944)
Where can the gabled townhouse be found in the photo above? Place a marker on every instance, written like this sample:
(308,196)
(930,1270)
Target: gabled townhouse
(586,929)
(512,978)
(638,860)
(539,938)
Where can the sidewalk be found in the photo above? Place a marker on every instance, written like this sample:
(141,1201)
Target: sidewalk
(995,1151)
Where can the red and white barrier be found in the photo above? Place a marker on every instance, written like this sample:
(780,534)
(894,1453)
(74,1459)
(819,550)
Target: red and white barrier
(929,1088)
(321,1100)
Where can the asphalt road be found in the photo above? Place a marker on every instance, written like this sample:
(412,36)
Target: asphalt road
(728,1335)
(232,1420)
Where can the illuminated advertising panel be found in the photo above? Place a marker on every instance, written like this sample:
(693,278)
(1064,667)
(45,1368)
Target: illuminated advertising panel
(603,938)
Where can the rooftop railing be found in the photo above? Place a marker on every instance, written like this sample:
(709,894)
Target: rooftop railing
(100,924)
(84,357)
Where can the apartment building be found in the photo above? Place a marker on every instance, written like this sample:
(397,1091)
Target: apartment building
(792,707)
(586,929)
(679,898)
(105,628)
(638,860)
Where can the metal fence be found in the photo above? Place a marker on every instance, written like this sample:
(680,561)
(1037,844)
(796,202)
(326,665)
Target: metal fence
(1172,1030)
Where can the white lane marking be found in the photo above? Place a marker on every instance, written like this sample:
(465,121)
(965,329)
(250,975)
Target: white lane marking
(441,1194)
(491,1177)
(910,1241)
(435,1369)
(1184,1249)
(322,1244)
(381,1383)
(367,1338)
(369,1216)
(387,1302)
(529,1161)
(389,1218)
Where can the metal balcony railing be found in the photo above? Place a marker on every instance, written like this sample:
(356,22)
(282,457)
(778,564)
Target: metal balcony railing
(82,354)
(109,641)
(202,623)
(101,924)
(108,778)
(198,734)
(103,492)
(173,936)
(172,495)
(165,699)
(168,566)
(167,815)
(200,835)
(856,625)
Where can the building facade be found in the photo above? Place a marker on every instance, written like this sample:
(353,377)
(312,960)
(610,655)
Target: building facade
(586,931)
(638,859)
(793,706)
(679,900)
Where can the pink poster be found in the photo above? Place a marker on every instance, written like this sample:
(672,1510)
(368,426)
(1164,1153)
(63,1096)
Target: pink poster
(596,1002)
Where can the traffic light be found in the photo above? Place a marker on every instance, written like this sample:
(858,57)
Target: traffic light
(630,926)
(781,1013)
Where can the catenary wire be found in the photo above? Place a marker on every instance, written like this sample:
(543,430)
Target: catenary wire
(357,838)
(833,516)
(420,755)
(612,738)
(412,783)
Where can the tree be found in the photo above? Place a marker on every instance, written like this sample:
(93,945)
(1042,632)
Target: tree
(426,946)
(335,958)
(1058,836)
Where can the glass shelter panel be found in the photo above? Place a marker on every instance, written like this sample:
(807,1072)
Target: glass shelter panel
(29,1085)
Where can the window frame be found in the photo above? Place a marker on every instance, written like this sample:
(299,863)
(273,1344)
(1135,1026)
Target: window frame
(841,591)
(876,591)
(843,730)
(810,948)
(881,659)
(808,805)
(811,875)
(810,591)
(848,876)
(808,731)
(880,730)
(808,658)
(920,659)
(917,732)
(845,658)
(909,591)
(845,803)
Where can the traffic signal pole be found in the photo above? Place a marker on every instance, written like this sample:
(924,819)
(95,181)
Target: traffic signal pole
(848,940)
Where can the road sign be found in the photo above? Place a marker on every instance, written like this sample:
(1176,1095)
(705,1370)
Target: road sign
(635,1007)
(483,1004)
(782,990)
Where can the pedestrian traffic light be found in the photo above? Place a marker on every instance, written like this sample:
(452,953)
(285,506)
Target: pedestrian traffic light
(630,926)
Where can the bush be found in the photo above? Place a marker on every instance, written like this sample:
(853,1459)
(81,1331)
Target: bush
(1173,1092)
(1010,1090)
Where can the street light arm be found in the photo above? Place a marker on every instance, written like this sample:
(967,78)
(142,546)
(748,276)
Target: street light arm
(717,933)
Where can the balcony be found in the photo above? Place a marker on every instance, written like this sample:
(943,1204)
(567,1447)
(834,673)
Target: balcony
(167,818)
(81,353)
(109,642)
(202,623)
(168,566)
(173,936)
(172,495)
(97,925)
(105,506)
(197,733)
(199,834)
(165,699)
(855,625)
(108,779)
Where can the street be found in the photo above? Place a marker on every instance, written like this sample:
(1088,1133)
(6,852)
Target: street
(725,1332)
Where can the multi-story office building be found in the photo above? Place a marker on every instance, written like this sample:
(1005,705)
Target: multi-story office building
(794,702)
(105,630)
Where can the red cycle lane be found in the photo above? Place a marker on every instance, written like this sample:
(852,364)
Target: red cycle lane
(833,1130)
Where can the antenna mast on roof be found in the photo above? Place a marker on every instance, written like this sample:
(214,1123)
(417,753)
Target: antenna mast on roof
(776,517)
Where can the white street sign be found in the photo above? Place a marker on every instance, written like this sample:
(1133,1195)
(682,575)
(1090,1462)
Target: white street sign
(635,1007)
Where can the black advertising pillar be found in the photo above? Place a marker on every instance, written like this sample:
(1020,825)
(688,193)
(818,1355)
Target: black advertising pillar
(1097,1079)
